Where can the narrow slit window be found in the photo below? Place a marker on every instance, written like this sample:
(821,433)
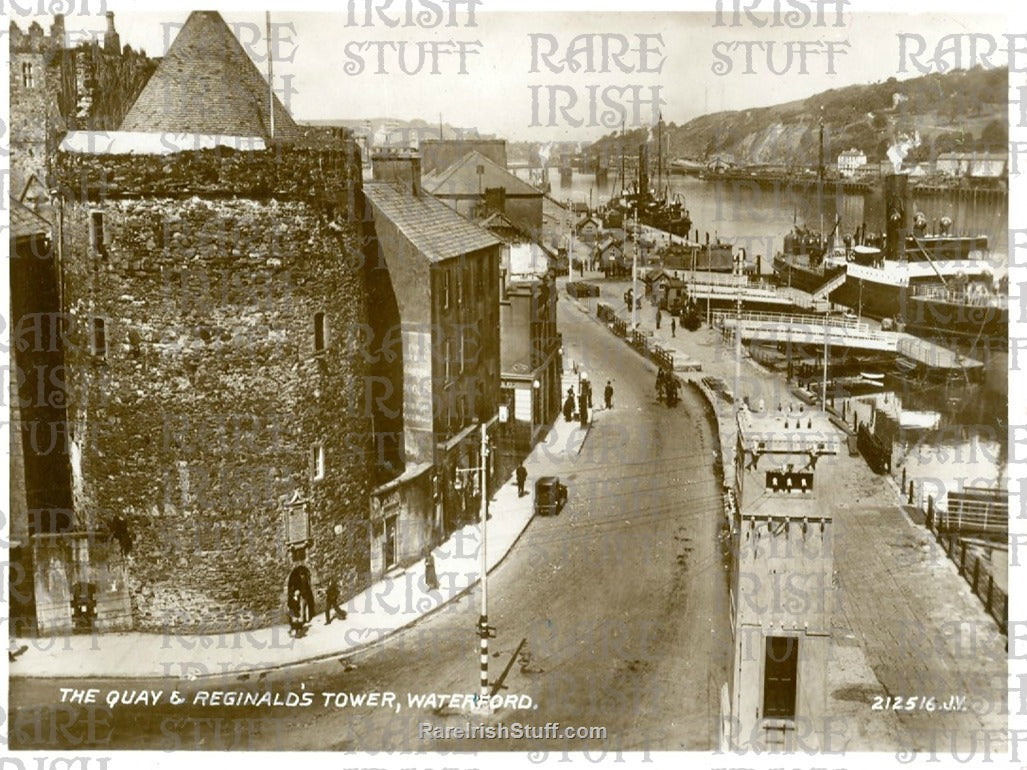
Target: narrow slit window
(317,461)
(445,289)
(98,337)
(96,233)
(28,79)
(320,332)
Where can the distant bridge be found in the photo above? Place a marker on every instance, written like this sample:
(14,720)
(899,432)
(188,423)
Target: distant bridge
(841,332)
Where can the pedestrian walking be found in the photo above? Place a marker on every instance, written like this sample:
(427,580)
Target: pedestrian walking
(586,390)
(608,395)
(671,386)
(332,597)
(583,409)
(568,407)
(522,476)
(673,326)
(659,385)
(431,577)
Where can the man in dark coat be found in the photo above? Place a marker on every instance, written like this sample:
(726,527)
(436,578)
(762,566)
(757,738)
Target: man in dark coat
(332,602)
(522,476)
(608,395)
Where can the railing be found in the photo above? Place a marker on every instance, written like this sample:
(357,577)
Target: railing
(578,289)
(975,512)
(789,320)
(981,581)
(724,290)
(638,340)
(975,570)
(953,296)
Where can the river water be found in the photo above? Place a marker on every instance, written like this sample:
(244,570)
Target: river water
(947,435)
(758,219)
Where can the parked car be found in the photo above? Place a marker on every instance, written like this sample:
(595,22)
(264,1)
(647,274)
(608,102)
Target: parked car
(550,496)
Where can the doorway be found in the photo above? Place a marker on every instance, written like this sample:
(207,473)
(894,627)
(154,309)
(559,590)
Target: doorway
(389,545)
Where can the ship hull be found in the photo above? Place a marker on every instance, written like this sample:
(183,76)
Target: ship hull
(789,272)
(880,299)
(966,320)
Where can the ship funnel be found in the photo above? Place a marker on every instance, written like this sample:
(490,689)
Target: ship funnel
(896,212)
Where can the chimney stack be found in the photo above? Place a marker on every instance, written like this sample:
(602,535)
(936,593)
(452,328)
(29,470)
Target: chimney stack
(111,39)
(57,30)
(396,165)
(495,200)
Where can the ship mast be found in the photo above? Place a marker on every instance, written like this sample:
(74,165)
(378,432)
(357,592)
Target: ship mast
(823,246)
(820,180)
(659,156)
(622,158)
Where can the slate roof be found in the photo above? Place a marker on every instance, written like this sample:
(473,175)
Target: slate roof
(435,229)
(206,84)
(26,223)
(461,178)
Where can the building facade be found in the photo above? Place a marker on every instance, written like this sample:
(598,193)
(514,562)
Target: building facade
(56,87)
(466,184)
(987,165)
(433,279)
(530,355)
(849,161)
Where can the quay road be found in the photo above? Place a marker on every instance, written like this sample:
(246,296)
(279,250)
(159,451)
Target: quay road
(622,600)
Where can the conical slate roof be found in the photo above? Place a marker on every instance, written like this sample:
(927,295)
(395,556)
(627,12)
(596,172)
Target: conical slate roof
(206,84)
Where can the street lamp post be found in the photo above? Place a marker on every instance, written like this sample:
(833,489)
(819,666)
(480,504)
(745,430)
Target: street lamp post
(485,631)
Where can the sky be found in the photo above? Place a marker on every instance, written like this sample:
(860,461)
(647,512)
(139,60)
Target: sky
(327,65)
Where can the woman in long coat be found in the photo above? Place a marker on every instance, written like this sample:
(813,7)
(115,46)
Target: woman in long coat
(301,600)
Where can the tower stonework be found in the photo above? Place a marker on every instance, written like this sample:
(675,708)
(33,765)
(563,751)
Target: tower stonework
(215,385)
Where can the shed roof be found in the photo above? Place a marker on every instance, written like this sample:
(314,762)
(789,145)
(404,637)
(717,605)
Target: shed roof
(26,223)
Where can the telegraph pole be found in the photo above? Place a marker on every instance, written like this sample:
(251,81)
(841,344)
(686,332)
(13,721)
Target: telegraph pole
(738,331)
(823,397)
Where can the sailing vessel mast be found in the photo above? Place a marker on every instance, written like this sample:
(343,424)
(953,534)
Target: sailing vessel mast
(823,247)
(622,158)
(820,180)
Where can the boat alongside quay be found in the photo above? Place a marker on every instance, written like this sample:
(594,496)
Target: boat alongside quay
(931,282)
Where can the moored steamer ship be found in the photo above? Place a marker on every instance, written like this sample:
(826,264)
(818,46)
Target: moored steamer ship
(929,281)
